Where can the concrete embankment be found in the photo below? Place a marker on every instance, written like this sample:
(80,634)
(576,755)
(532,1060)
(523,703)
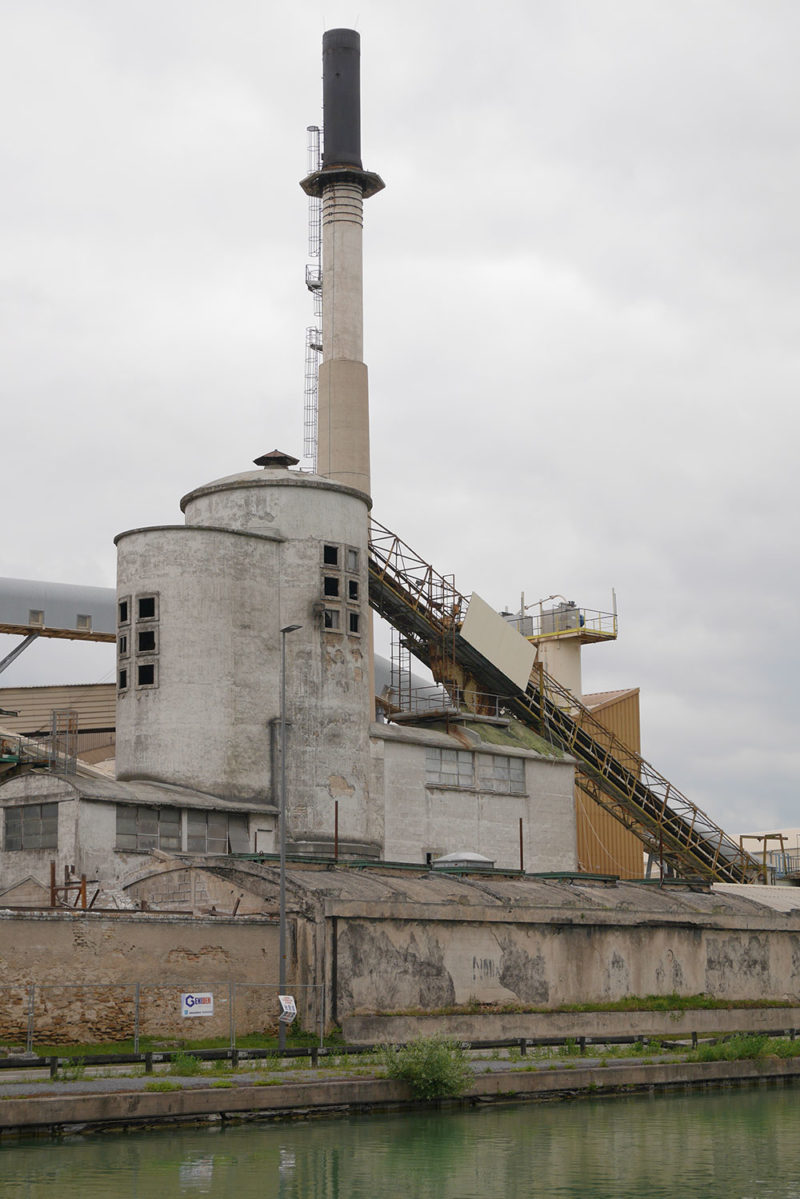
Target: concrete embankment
(62,1110)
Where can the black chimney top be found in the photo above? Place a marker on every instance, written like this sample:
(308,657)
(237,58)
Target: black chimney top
(341,116)
(341,98)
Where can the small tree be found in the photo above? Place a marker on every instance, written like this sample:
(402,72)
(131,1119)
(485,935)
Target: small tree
(434,1067)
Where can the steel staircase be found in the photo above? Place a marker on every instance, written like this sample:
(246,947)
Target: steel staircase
(428,611)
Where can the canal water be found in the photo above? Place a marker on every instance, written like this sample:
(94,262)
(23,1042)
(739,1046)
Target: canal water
(740,1144)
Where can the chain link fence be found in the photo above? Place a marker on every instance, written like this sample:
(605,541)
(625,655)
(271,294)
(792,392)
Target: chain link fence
(96,1013)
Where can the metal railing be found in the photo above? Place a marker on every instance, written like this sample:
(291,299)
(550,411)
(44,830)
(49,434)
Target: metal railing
(555,622)
(428,610)
(441,700)
(575,1045)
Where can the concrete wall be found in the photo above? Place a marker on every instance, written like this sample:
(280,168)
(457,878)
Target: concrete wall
(392,963)
(41,788)
(420,816)
(384,941)
(501,1026)
(106,954)
(205,724)
(87,834)
(250,561)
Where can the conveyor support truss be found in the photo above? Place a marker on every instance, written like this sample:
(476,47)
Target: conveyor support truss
(428,611)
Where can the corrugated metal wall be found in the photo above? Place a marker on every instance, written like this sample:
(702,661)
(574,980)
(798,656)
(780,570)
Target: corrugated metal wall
(95,703)
(604,845)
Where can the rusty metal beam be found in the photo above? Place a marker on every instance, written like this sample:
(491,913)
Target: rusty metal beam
(27,630)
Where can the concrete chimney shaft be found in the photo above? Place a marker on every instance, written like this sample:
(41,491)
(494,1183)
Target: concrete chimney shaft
(342,184)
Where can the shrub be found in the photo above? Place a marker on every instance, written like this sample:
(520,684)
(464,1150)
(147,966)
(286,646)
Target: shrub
(785,1048)
(185,1063)
(434,1067)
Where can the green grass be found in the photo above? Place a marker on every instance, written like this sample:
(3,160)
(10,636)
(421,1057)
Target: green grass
(163,1085)
(734,1049)
(631,1003)
(294,1040)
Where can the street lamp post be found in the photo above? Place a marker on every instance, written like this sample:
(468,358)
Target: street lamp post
(289,628)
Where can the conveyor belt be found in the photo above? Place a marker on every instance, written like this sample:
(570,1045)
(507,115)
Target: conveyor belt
(428,611)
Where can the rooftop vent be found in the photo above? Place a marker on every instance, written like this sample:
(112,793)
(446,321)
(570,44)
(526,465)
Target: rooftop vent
(276,458)
(464,858)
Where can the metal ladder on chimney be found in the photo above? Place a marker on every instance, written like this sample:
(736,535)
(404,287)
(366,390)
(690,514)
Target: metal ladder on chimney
(427,611)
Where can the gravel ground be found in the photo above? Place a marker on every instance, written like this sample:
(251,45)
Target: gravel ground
(94,1085)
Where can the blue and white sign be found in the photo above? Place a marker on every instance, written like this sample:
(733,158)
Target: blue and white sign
(197,1003)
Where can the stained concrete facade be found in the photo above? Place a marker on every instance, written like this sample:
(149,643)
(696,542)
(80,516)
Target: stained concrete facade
(379,941)
(108,953)
(87,835)
(425,817)
(260,551)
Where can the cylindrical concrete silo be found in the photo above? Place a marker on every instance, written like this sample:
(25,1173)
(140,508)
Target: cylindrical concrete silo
(201,609)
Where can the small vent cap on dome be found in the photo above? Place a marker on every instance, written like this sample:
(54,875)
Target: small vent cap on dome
(276,458)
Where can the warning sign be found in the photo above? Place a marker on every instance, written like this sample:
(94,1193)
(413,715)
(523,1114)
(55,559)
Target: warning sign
(288,1008)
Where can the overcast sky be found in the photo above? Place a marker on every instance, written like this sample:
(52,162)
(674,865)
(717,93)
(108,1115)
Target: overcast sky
(581,298)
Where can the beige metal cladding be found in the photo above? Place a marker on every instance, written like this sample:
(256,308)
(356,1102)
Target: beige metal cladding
(604,845)
(95,704)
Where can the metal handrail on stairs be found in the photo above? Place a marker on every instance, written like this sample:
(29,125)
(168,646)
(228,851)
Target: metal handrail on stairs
(426,608)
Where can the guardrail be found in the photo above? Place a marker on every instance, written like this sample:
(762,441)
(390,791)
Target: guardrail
(52,1062)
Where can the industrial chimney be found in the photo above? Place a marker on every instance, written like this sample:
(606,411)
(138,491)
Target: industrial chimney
(342,184)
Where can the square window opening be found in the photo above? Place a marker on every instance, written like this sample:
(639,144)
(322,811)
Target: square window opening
(331,618)
(147,607)
(84,623)
(123,680)
(330,586)
(124,611)
(146,674)
(36,616)
(354,622)
(352,589)
(330,555)
(146,641)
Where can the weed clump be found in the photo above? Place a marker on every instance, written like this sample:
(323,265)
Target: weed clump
(185,1064)
(75,1071)
(735,1049)
(434,1067)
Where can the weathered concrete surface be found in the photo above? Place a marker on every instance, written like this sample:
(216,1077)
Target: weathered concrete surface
(546,943)
(84,966)
(498,1026)
(422,817)
(343,1095)
(251,559)
(147,1107)
(382,941)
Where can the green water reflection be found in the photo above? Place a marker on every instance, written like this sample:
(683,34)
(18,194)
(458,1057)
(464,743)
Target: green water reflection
(737,1144)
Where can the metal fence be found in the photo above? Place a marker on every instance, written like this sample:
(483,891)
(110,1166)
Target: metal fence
(72,1013)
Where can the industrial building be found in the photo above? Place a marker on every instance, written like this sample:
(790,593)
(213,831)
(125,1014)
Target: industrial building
(248,704)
